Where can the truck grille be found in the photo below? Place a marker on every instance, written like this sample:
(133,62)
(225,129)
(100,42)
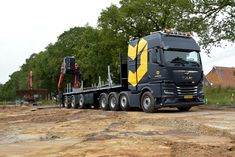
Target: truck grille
(187,90)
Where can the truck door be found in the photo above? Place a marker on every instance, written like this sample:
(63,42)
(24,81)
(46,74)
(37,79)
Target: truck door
(155,66)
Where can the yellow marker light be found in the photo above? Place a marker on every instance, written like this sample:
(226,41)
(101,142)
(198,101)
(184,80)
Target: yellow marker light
(167,30)
(158,72)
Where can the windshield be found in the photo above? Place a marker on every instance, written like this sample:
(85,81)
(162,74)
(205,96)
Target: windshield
(191,58)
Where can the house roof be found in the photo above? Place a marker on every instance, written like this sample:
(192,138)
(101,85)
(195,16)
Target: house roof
(224,76)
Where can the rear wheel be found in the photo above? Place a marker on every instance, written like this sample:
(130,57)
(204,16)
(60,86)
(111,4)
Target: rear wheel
(74,103)
(103,101)
(124,101)
(113,101)
(81,102)
(148,103)
(67,103)
(184,109)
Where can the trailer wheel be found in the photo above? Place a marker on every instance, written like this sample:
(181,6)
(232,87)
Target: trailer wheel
(113,101)
(148,103)
(74,103)
(67,103)
(81,102)
(103,101)
(124,101)
(184,109)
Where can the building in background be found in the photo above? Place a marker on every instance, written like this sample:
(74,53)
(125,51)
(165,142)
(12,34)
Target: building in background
(221,76)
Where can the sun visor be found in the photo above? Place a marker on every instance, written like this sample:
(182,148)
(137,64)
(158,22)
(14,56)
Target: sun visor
(184,43)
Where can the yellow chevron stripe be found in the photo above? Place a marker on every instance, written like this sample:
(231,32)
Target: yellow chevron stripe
(143,68)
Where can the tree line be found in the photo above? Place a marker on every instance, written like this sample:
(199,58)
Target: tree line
(95,48)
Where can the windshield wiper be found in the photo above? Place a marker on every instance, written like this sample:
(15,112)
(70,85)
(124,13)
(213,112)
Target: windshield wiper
(179,60)
(194,63)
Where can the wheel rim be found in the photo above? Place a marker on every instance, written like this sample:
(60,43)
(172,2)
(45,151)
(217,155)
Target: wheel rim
(73,102)
(103,102)
(123,101)
(113,102)
(146,102)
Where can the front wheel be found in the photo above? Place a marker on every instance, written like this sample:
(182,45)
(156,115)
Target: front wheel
(148,103)
(184,109)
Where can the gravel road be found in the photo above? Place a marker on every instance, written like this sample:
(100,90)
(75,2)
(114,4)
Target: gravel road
(55,132)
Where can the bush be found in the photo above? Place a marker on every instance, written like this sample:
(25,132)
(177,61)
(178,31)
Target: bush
(219,95)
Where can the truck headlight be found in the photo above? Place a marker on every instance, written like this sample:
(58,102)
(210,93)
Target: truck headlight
(200,90)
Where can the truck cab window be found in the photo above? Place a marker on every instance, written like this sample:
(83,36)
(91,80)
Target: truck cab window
(155,56)
(158,56)
(191,58)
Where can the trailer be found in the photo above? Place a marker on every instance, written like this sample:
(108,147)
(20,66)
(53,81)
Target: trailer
(163,69)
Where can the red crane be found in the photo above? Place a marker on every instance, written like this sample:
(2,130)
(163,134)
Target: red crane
(68,67)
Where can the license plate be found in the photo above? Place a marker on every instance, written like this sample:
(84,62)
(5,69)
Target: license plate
(188,97)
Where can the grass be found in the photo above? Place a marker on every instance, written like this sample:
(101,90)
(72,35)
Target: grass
(219,96)
(41,102)
(4,103)
(47,102)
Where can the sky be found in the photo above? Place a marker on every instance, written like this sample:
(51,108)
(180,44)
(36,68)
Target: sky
(28,26)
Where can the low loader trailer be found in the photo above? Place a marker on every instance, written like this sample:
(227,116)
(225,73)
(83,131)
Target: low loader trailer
(163,69)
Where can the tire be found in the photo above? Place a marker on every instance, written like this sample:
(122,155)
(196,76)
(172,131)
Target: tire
(67,103)
(148,103)
(184,109)
(113,102)
(74,103)
(103,101)
(124,101)
(81,102)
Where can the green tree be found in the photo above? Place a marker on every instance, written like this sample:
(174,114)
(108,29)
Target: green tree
(213,21)
(220,18)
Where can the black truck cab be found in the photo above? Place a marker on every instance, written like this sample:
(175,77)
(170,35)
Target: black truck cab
(168,67)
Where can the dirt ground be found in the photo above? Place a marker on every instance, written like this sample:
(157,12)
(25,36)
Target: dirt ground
(55,132)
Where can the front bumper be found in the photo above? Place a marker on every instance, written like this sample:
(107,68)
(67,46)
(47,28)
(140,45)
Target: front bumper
(181,103)
(181,96)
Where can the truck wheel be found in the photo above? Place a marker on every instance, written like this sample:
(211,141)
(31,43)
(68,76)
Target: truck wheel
(124,101)
(67,102)
(81,102)
(113,101)
(74,102)
(148,103)
(184,109)
(103,101)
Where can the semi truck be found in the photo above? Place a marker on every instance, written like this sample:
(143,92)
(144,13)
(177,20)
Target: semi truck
(163,69)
